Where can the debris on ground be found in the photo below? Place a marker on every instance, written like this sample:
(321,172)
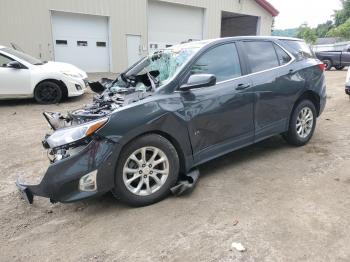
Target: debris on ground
(238,246)
(235,223)
(187,184)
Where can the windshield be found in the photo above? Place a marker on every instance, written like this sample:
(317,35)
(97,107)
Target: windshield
(157,69)
(23,56)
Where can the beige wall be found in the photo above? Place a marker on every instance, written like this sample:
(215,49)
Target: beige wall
(27,22)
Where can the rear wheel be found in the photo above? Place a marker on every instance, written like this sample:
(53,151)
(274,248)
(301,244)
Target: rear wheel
(302,124)
(327,64)
(147,168)
(339,67)
(48,93)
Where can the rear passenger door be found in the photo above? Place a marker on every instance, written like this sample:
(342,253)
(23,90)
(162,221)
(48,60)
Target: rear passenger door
(220,117)
(275,83)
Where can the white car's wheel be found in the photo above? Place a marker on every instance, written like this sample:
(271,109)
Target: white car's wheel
(48,93)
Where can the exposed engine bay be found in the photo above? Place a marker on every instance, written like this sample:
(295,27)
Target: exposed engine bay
(111,95)
(137,83)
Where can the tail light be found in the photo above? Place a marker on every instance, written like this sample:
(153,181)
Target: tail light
(322,66)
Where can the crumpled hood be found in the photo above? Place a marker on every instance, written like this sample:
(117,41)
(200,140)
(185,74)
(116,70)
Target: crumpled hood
(59,67)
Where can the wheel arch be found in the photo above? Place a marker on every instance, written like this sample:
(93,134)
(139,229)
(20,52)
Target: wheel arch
(327,58)
(313,97)
(171,139)
(60,83)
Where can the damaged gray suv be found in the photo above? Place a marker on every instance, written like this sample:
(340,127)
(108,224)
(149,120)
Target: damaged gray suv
(145,132)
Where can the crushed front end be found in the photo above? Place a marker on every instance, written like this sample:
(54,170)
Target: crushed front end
(80,159)
(80,165)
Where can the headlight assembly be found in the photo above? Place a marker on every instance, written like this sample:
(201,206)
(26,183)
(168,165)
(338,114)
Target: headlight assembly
(75,133)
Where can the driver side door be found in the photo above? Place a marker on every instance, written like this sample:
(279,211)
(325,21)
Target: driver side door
(220,117)
(14,82)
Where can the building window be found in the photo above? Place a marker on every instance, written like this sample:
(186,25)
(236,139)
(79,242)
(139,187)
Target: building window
(61,42)
(101,44)
(82,43)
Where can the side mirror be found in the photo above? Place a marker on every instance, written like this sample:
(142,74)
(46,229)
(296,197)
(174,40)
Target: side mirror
(14,64)
(198,81)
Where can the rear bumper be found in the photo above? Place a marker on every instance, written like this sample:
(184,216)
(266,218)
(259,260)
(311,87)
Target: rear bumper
(61,180)
(323,99)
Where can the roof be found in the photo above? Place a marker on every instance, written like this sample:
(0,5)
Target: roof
(201,43)
(268,7)
(223,39)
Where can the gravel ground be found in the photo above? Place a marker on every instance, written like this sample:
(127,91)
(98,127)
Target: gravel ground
(282,203)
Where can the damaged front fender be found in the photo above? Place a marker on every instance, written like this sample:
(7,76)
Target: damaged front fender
(61,180)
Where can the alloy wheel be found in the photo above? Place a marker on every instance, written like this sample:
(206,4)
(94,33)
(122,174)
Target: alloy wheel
(145,171)
(305,122)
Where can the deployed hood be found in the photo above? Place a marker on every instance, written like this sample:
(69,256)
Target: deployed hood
(63,68)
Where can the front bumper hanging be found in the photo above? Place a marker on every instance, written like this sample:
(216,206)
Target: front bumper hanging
(61,180)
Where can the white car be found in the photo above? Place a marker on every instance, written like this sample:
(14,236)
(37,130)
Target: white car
(23,76)
(347,83)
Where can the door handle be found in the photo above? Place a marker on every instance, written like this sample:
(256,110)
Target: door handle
(242,86)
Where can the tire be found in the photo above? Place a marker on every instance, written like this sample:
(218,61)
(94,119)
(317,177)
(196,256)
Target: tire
(339,67)
(328,64)
(294,135)
(48,93)
(132,193)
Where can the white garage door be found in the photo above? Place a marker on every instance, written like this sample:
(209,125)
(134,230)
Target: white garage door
(170,24)
(81,40)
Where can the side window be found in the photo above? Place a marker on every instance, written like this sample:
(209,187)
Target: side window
(283,57)
(221,61)
(261,55)
(4,60)
(299,48)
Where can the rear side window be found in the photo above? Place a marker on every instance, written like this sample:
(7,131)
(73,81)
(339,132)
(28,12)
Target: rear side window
(221,61)
(283,57)
(261,55)
(300,48)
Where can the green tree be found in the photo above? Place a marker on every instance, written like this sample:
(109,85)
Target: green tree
(341,16)
(323,29)
(342,31)
(307,33)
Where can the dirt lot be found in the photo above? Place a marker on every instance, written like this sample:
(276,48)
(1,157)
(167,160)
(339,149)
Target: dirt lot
(291,204)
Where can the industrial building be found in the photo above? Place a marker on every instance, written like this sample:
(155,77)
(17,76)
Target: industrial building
(109,35)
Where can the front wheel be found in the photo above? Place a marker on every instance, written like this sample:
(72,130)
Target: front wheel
(302,124)
(147,168)
(48,93)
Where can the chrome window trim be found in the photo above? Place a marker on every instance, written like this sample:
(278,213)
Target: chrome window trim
(266,70)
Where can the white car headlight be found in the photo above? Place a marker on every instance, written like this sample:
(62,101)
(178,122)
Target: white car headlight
(71,74)
(71,134)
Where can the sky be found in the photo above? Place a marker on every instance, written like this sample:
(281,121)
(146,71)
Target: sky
(293,13)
